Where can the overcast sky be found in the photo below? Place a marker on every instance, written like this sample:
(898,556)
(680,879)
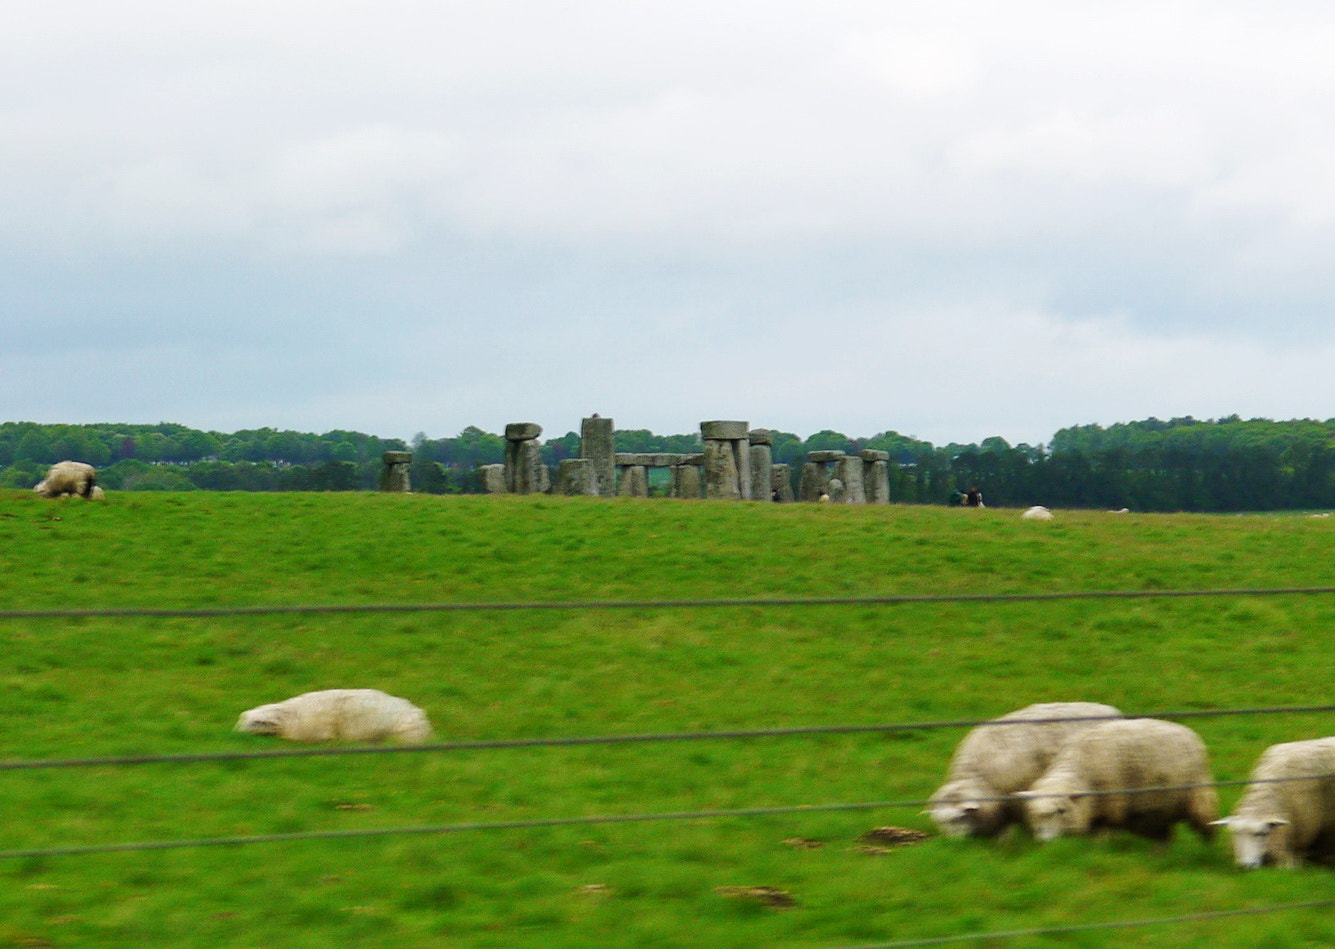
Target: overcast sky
(949,219)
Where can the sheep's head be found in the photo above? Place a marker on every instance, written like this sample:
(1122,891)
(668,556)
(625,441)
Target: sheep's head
(964,810)
(1052,815)
(262,720)
(1257,841)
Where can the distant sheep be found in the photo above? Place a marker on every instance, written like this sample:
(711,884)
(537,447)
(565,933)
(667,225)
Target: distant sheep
(349,714)
(68,478)
(1082,790)
(1037,513)
(996,760)
(1281,821)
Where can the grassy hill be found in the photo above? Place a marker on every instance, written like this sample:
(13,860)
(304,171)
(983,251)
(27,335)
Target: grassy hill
(116,686)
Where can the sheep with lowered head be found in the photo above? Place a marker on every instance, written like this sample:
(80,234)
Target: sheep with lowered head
(67,478)
(1093,782)
(1004,756)
(1037,513)
(1288,810)
(349,714)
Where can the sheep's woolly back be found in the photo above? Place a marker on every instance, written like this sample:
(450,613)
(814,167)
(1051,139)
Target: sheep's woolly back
(1037,513)
(348,714)
(1126,754)
(1306,808)
(1000,759)
(68,478)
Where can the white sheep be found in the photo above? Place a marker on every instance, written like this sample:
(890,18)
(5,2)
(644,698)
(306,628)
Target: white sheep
(1037,513)
(996,760)
(67,478)
(1280,821)
(1093,783)
(349,714)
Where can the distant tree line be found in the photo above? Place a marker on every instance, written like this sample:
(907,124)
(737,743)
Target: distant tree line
(1183,464)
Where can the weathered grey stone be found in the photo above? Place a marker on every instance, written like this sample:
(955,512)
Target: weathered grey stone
(634,482)
(848,471)
(762,463)
(575,476)
(835,491)
(525,473)
(871,454)
(394,474)
(697,459)
(813,483)
(648,459)
(597,444)
(493,479)
(724,431)
(522,431)
(760,436)
(686,482)
(876,481)
(721,475)
(823,456)
(781,484)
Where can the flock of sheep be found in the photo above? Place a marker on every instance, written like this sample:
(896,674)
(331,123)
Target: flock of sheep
(1070,768)
(1062,768)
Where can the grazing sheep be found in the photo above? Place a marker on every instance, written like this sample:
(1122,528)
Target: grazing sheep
(1281,821)
(66,478)
(1092,782)
(97,494)
(1037,513)
(996,760)
(350,714)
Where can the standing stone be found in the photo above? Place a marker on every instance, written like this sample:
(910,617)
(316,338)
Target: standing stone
(721,475)
(731,479)
(493,479)
(849,470)
(761,463)
(634,482)
(531,475)
(813,481)
(781,484)
(597,444)
(394,474)
(574,476)
(686,482)
(876,475)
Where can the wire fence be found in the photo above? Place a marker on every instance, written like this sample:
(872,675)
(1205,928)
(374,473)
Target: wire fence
(604,740)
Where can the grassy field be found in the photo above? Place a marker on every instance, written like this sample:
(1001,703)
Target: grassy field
(96,687)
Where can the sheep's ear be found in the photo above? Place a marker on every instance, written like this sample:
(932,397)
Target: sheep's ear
(1276,822)
(1024,795)
(1222,822)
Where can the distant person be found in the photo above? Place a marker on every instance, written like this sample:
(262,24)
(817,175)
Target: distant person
(957,498)
(973,498)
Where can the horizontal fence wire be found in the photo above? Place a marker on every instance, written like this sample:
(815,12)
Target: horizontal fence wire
(641,738)
(1095,927)
(204,612)
(528,824)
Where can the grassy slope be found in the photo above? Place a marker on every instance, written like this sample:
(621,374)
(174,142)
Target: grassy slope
(92,687)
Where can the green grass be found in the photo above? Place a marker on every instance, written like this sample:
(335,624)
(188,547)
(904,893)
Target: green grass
(91,687)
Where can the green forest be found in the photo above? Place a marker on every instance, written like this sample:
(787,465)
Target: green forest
(1183,464)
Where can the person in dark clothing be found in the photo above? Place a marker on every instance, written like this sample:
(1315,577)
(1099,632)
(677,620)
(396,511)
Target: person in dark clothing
(973,497)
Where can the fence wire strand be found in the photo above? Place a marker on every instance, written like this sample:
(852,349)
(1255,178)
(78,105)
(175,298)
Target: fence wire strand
(205,612)
(540,822)
(640,738)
